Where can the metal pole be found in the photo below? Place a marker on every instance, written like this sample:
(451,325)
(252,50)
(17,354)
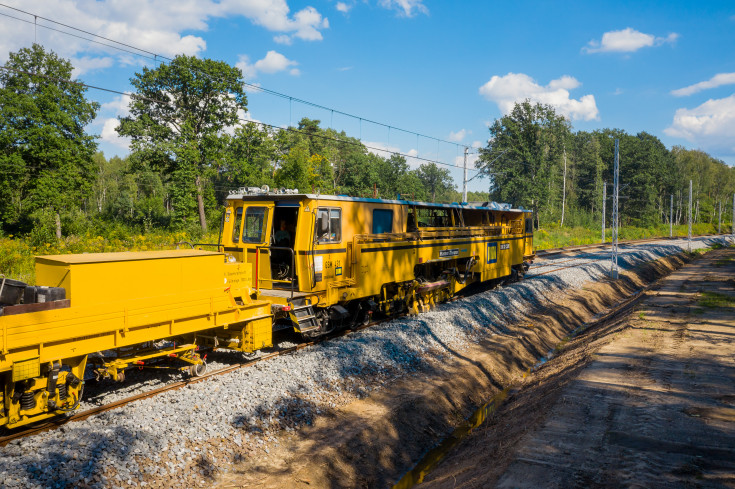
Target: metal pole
(604,199)
(719,221)
(564,188)
(616,217)
(671,218)
(464,184)
(689,235)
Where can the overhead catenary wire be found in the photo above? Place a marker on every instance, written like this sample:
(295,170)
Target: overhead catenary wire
(153,58)
(241,120)
(158,57)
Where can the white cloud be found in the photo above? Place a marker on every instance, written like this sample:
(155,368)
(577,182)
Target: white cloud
(716,81)
(471,160)
(408,8)
(627,40)
(273,62)
(110,135)
(459,135)
(711,125)
(478,144)
(152,25)
(386,151)
(283,39)
(515,87)
(86,64)
(119,106)
(343,7)
(107,121)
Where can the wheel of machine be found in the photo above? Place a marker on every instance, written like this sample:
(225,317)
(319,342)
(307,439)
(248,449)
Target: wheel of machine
(198,370)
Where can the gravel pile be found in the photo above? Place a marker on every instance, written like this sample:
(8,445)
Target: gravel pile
(185,437)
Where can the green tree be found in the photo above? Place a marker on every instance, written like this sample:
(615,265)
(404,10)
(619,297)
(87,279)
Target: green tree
(249,161)
(178,122)
(524,156)
(46,157)
(438,181)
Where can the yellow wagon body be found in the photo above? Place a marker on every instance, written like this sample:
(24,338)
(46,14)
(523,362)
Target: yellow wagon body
(118,301)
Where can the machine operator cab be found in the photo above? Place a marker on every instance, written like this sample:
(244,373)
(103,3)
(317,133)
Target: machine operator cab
(260,228)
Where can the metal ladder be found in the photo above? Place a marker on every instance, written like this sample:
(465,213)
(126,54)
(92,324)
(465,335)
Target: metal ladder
(303,317)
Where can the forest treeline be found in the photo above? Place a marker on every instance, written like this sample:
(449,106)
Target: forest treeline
(189,146)
(535,158)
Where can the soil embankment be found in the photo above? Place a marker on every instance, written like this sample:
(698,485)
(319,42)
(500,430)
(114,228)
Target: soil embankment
(371,442)
(648,401)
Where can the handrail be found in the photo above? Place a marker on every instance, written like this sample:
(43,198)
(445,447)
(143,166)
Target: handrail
(216,245)
(5,326)
(257,262)
(193,245)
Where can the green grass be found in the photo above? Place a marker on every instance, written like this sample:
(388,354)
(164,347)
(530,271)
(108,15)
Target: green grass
(556,237)
(714,300)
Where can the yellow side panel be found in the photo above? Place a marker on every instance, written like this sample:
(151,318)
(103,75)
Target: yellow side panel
(258,334)
(99,278)
(239,277)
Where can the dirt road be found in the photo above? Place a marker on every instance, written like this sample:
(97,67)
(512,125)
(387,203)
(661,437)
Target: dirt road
(648,401)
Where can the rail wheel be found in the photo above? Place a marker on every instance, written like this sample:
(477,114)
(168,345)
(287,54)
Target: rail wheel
(198,370)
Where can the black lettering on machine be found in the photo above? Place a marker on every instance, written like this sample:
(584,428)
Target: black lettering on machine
(448,253)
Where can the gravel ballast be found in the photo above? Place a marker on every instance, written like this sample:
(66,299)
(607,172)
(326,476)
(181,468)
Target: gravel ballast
(185,437)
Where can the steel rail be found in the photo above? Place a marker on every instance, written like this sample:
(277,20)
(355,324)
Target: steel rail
(82,415)
(570,249)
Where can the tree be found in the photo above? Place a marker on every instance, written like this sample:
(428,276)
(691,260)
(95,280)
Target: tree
(523,155)
(46,157)
(178,122)
(249,160)
(438,181)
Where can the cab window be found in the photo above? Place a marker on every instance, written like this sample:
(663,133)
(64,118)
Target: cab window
(255,219)
(236,225)
(382,221)
(433,217)
(328,225)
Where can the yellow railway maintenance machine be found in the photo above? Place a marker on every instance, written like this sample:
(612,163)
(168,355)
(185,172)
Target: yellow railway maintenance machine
(116,311)
(299,261)
(327,261)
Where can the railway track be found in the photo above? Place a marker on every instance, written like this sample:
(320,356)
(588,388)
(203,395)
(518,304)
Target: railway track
(82,415)
(570,249)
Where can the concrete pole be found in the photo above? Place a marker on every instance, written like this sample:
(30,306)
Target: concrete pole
(464,184)
(604,199)
(671,218)
(689,234)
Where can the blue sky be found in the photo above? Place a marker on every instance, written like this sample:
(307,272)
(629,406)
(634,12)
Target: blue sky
(442,69)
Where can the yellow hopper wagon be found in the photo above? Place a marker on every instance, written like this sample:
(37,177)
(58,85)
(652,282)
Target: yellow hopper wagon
(108,312)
